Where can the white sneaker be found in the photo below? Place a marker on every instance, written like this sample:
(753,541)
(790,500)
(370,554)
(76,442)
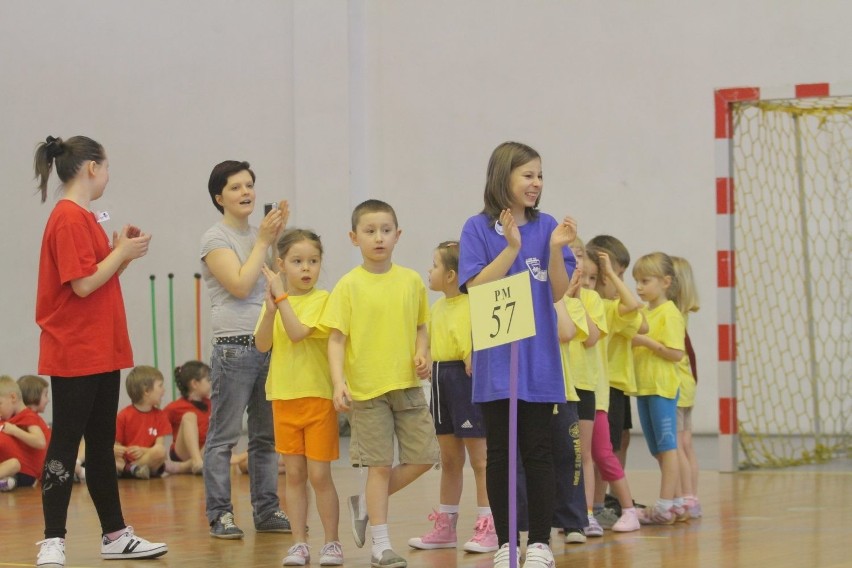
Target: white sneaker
(51,554)
(331,554)
(298,555)
(539,556)
(7,483)
(129,546)
(502,558)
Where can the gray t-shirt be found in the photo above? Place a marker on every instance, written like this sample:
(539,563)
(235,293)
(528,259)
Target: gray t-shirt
(231,315)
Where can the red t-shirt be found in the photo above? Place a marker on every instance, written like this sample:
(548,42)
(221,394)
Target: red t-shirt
(32,459)
(79,336)
(136,428)
(177,408)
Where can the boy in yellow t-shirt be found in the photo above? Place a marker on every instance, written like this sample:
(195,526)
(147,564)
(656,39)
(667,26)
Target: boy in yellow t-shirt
(377,350)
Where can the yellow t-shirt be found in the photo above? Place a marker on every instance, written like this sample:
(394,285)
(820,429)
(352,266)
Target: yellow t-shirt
(449,329)
(379,314)
(622,329)
(687,384)
(687,381)
(299,370)
(588,375)
(654,374)
(574,348)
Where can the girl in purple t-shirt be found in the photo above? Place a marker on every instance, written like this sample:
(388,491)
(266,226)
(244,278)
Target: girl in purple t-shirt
(511,236)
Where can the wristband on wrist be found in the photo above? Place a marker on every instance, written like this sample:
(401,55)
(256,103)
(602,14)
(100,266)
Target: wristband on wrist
(281,298)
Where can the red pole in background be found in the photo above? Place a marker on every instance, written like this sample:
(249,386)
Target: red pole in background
(198,316)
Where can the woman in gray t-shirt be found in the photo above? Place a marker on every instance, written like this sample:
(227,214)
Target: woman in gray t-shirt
(232,253)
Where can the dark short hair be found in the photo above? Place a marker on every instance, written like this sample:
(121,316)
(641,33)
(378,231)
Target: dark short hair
(219,178)
(613,247)
(372,206)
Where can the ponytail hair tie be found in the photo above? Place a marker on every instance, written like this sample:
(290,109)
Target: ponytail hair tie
(54,147)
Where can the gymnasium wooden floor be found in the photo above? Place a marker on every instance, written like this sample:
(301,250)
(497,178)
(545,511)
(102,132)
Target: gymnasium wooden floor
(792,517)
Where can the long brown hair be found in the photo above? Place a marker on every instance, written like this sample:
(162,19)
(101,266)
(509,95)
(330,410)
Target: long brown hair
(68,156)
(504,159)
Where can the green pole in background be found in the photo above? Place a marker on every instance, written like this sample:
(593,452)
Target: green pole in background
(172,330)
(154,323)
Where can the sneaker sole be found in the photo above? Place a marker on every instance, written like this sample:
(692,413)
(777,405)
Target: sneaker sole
(575,539)
(331,562)
(478,548)
(359,542)
(227,536)
(279,531)
(156,553)
(400,564)
(419,544)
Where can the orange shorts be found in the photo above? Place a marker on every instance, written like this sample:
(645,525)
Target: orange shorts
(306,427)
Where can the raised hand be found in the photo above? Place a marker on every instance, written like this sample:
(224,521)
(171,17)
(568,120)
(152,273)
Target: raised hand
(273,281)
(564,233)
(273,223)
(606,265)
(130,247)
(510,229)
(269,298)
(574,284)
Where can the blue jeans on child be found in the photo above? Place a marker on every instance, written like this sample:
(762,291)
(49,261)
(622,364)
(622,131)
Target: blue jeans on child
(238,377)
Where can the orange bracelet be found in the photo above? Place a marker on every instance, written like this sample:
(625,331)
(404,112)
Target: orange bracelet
(281,298)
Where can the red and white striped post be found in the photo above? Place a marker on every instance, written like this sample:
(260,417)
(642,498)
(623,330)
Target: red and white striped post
(725,257)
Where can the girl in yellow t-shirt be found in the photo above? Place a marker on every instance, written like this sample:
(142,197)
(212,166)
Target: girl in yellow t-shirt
(299,386)
(622,320)
(458,421)
(687,301)
(656,356)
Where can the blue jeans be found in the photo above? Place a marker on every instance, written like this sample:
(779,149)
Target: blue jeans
(238,376)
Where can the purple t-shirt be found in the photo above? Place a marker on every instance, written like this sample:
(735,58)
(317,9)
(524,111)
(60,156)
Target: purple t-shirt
(540,376)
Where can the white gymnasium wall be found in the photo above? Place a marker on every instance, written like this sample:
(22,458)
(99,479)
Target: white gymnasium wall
(333,102)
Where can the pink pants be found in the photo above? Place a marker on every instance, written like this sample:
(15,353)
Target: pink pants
(602,455)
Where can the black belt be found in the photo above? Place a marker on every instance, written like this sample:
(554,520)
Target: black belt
(247,340)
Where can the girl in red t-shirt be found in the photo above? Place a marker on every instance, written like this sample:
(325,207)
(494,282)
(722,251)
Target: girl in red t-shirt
(190,417)
(84,344)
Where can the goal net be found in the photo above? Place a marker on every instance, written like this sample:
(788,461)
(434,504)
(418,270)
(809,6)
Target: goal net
(792,169)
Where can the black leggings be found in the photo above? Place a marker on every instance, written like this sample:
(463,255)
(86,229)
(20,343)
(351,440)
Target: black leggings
(82,406)
(535,447)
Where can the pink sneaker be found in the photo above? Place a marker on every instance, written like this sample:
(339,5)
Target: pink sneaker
(442,535)
(681,513)
(627,522)
(694,509)
(656,515)
(484,537)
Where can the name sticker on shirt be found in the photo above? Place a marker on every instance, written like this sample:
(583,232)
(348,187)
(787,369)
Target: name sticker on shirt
(102,216)
(501,311)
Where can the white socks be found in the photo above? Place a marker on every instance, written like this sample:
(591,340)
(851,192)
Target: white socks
(381,540)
